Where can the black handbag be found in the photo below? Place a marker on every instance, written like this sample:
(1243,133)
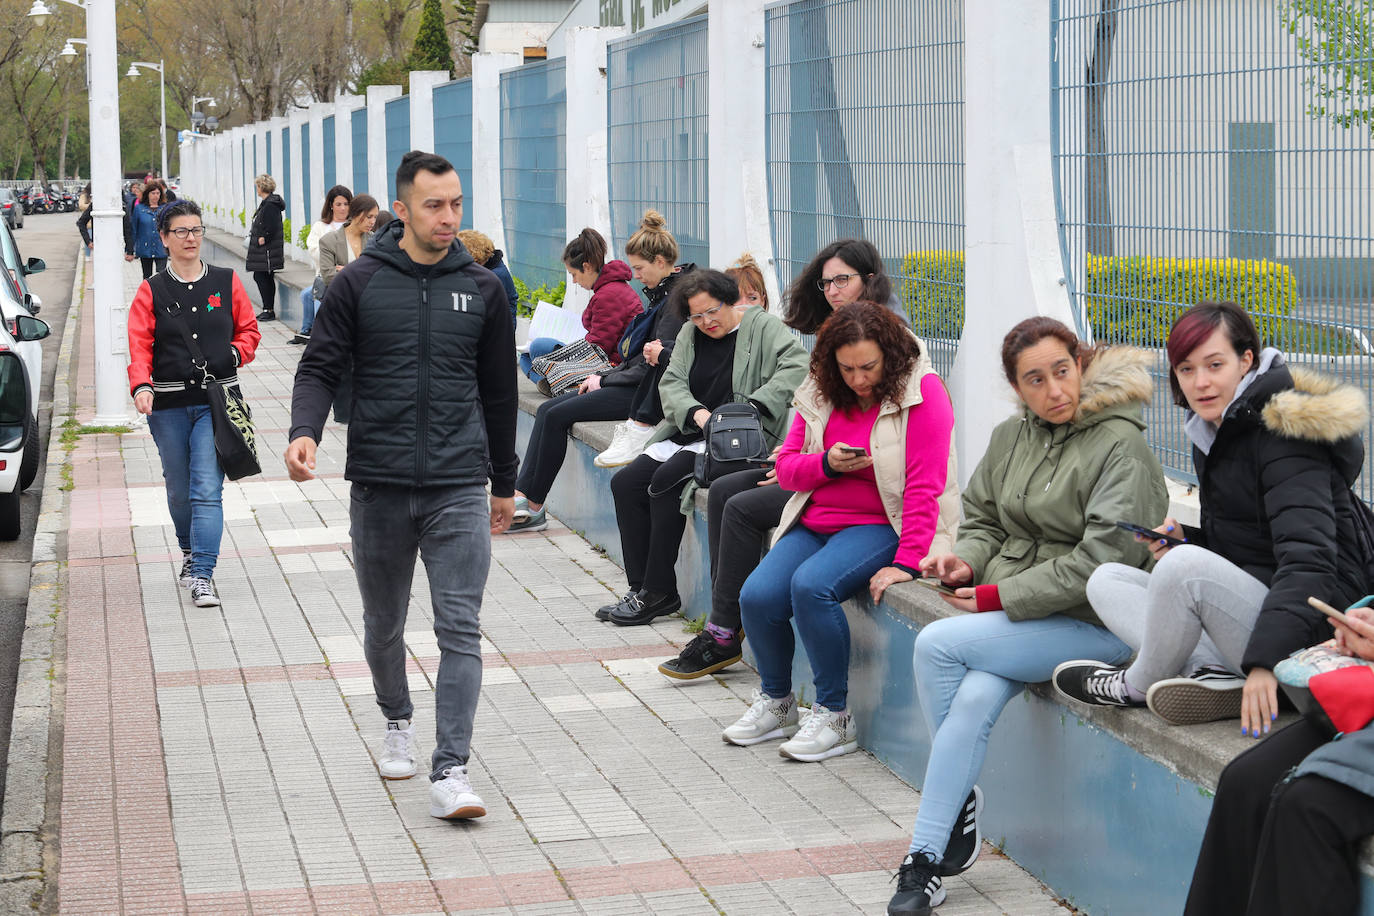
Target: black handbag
(235,439)
(735,441)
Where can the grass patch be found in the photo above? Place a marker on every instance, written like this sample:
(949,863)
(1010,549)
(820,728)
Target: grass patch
(693,624)
(71,435)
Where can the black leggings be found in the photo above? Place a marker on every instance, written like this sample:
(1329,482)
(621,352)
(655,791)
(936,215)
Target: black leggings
(651,527)
(267,289)
(152,266)
(1275,847)
(647,406)
(739,515)
(548,444)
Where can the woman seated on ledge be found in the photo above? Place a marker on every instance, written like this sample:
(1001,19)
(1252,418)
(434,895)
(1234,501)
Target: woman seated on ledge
(1040,515)
(1276,453)
(722,356)
(871,471)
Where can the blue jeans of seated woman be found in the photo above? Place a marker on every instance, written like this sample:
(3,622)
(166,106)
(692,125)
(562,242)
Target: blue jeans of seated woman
(185,442)
(967,669)
(540,346)
(308,306)
(806,577)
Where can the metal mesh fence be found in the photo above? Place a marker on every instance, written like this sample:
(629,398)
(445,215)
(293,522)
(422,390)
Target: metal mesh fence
(656,134)
(453,135)
(307,217)
(330,153)
(359,123)
(397,141)
(533,192)
(866,139)
(1216,151)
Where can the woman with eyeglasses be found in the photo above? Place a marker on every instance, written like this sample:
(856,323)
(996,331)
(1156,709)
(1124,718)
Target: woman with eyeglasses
(722,355)
(168,386)
(841,273)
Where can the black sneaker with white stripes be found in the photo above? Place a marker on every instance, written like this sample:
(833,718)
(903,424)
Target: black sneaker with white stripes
(185,577)
(1208,694)
(1094,683)
(965,839)
(919,889)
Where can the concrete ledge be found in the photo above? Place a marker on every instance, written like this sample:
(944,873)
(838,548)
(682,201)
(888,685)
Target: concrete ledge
(1106,806)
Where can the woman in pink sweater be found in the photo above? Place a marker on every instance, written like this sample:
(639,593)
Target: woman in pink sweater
(870,465)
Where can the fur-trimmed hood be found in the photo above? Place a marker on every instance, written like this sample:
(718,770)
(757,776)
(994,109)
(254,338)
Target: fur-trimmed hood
(1117,377)
(1317,408)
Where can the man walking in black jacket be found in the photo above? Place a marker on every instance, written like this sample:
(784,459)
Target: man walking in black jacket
(428,335)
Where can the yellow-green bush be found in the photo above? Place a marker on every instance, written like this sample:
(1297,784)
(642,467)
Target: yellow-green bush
(1137,299)
(932,290)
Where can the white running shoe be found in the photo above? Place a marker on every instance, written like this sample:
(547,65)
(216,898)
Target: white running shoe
(627,445)
(452,797)
(397,759)
(766,719)
(824,734)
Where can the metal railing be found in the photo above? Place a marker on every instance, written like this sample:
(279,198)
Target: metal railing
(453,135)
(865,139)
(1207,151)
(533,181)
(656,134)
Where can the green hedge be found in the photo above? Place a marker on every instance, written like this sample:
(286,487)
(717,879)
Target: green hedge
(931,285)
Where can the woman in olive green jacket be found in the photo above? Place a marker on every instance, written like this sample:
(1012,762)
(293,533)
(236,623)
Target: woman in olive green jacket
(1040,515)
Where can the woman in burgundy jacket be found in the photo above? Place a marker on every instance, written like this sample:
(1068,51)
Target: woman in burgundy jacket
(614,302)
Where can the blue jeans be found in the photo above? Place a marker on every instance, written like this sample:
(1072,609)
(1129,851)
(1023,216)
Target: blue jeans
(308,306)
(807,576)
(195,482)
(450,528)
(969,667)
(540,346)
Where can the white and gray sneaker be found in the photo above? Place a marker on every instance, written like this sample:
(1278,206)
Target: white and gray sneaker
(397,759)
(452,797)
(203,592)
(626,445)
(765,719)
(1208,694)
(185,577)
(826,733)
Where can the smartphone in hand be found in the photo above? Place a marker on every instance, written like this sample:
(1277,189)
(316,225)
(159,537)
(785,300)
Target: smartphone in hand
(854,450)
(1150,534)
(935,584)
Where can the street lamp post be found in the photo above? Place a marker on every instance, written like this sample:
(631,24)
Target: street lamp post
(162,92)
(110,307)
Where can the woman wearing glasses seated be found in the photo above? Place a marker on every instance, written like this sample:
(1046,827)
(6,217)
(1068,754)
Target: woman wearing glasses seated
(721,356)
(840,274)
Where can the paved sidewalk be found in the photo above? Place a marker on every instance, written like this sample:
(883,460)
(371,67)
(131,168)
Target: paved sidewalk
(220,760)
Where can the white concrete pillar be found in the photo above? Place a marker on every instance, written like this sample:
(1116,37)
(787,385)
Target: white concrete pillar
(422,83)
(1012,268)
(588,182)
(737,123)
(297,208)
(377,97)
(344,106)
(486,142)
(318,112)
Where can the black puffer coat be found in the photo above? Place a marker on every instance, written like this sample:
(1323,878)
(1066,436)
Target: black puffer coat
(1276,501)
(663,323)
(268,255)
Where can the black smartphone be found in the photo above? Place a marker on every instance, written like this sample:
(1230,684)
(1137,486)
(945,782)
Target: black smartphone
(933,583)
(1150,534)
(854,450)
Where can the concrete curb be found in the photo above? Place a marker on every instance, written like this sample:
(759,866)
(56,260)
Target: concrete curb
(28,831)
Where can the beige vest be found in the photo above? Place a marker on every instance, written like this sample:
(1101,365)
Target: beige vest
(887,445)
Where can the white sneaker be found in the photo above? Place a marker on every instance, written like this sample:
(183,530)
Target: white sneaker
(627,445)
(452,797)
(766,719)
(824,734)
(397,759)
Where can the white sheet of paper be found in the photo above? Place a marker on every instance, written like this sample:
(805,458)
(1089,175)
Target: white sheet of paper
(559,323)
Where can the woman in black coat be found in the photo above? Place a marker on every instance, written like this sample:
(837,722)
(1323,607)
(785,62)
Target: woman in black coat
(266,244)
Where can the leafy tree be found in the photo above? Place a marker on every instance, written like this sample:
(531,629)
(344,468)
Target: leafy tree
(431,50)
(383,73)
(1336,37)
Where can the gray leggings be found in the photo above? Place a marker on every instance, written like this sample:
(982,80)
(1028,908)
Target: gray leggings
(1196,608)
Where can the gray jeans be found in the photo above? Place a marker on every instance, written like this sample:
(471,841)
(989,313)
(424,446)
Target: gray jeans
(450,529)
(1196,608)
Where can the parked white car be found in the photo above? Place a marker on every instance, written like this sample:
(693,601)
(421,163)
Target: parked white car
(18,420)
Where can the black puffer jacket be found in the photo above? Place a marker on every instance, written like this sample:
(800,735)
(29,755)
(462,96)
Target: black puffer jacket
(664,322)
(434,392)
(268,255)
(1275,494)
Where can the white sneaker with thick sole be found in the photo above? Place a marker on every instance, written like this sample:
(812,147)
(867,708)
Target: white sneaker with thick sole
(823,735)
(765,720)
(397,759)
(627,445)
(452,797)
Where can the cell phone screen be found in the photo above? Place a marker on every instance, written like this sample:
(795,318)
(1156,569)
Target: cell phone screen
(1150,534)
(933,583)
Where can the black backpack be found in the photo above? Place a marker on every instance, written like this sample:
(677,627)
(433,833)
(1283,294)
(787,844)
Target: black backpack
(735,441)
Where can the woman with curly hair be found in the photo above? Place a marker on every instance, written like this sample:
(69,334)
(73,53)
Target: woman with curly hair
(869,464)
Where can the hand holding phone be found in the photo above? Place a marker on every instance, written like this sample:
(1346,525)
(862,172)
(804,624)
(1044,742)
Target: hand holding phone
(854,450)
(1149,534)
(935,584)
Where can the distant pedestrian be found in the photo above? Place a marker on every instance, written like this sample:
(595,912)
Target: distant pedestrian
(83,219)
(148,247)
(485,252)
(131,197)
(429,335)
(332,215)
(338,249)
(170,389)
(266,245)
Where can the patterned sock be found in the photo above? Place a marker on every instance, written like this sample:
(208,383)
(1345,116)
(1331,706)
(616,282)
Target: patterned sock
(722,635)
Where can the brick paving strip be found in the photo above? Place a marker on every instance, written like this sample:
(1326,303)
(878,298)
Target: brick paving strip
(219,760)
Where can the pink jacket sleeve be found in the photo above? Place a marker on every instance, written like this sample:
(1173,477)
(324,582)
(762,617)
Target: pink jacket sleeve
(798,472)
(929,428)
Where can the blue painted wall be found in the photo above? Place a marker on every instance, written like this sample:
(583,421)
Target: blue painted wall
(330,152)
(359,122)
(397,141)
